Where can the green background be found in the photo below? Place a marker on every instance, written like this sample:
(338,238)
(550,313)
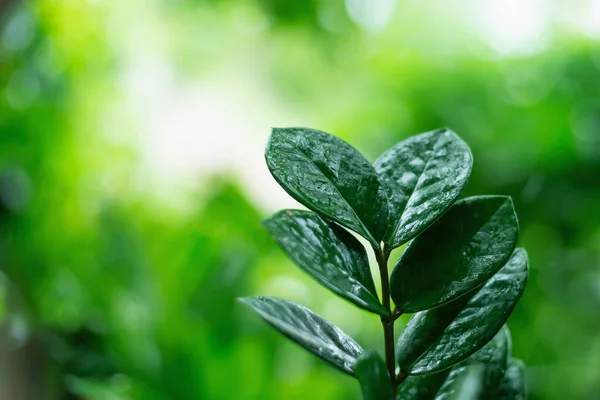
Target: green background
(132,179)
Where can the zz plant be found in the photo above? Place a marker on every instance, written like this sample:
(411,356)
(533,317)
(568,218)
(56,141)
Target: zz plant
(460,274)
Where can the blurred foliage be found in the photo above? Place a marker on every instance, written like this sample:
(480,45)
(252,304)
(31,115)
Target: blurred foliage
(107,293)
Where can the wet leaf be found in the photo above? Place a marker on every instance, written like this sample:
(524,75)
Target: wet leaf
(441,337)
(329,253)
(308,329)
(423,176)
(329,176)
(459,252)
(463,383)
(512,386)
(371,371)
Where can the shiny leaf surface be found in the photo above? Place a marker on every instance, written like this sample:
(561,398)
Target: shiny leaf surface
(512,386)
(423,176)
(329,253)
(371,371)
(308,329)
(329,176)
(441,337)
(459,252)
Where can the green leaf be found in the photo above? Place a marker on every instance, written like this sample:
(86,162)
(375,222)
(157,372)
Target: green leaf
(329,176)
(329,253)
(372,373)
(308,329)
(512,386)
(459,252)
(423,176)
(422,387)
(441,337)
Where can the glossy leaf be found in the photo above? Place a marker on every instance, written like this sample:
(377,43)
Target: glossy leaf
(423,176)
(329,253)
(329,176)
(441,337)
(308,329)
(459,252)
(512,386)
(372,373)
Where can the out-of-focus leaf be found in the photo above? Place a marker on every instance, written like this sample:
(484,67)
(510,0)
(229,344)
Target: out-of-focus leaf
(494,357)
(512,386)
(459,252)
(309,330)
(371,371)
(422,387)
(463,383)
(423,176)
(330,177)
(441,337)
(329,253)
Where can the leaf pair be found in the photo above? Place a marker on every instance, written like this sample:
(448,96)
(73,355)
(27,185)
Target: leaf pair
(488,374)
(407,189)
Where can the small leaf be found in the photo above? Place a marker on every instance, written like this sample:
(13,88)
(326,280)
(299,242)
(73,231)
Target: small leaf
(373,376)
(329,253)
(459,252)
(512,386)
(308,329)
(423,176)
(329,176)
(422,387)
(441,337)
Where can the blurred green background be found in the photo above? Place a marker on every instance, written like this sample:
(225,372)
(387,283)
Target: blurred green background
(132,180)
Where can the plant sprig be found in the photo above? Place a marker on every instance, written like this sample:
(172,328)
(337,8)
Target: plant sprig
(460,274)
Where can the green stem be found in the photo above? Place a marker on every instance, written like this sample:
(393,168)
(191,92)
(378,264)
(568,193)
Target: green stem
(387,322)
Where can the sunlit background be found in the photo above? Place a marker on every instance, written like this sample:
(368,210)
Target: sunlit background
(132,179)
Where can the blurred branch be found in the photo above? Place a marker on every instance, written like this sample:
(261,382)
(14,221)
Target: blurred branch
(5,6)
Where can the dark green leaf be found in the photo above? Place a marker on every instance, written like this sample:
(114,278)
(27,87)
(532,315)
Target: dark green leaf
(423,176)
(422,387)
(308,329)
(329,253)
(512,386)
(330,177)
(459,252)
(373,376)
(441,337)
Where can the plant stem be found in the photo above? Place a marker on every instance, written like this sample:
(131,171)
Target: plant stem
(382,256)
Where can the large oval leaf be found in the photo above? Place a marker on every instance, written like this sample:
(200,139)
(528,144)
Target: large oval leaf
(329,176)
(512,386)
(422,176)
(459,252)
(308,329)
(441,337)
(329,253)
(372,373)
